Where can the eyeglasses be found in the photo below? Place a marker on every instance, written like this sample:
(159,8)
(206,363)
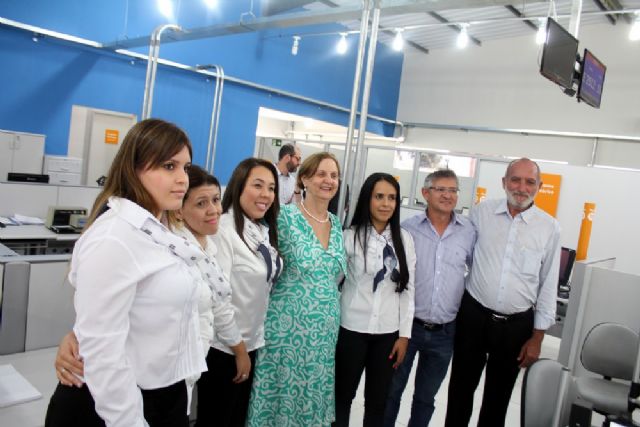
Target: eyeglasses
(299,158)
(442,190)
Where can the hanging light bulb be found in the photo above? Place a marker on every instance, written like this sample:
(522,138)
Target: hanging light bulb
(295,46)
(211,4)
(634,34)
(463,37)
(166,8)
(342,44)
(398,41)
(541,35)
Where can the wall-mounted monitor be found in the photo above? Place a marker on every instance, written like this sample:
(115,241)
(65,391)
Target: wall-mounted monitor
(591,79)
(559,55)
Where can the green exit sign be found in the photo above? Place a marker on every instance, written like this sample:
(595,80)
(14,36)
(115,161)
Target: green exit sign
(276,142)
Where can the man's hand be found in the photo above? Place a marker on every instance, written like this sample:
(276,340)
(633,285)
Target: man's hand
(398,351)
(530,351)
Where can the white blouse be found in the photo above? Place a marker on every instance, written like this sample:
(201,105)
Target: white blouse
(385,310)
(136,312)
(247,274)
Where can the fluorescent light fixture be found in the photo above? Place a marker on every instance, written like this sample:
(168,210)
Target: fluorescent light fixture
(541,35)
(295,46)
(398,41)
(463,38)
(634,34)
(342,46)
(308,122)
(617,168)
(166,8)
(211,4)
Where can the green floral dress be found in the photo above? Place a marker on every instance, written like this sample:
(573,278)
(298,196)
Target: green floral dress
(294,373)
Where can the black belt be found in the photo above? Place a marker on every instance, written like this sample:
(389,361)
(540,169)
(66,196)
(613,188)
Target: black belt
(428,325)
(500,317)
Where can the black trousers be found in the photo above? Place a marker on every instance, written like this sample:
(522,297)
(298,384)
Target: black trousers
(75,407)
(356,352)
(221,402)
(485,339)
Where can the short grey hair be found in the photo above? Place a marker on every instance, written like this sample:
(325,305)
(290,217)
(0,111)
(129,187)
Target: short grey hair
(439,174)
(523,159)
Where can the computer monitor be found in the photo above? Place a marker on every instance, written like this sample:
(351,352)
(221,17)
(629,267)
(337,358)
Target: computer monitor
(567,258)
(591,79)
(559,55)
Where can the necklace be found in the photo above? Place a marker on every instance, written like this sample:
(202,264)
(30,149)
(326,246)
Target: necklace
(321,221)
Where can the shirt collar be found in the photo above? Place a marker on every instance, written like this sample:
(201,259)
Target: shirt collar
(131,212)
(526,215)
(455,219)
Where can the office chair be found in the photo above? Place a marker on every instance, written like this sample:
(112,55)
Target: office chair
(610,350)
(548,391)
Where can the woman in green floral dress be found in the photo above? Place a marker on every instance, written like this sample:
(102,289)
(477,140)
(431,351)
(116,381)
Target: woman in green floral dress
(294,374)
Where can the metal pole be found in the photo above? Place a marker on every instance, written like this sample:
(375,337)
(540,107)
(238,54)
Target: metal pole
(594,152)
(371,56)
(152,65)
(574,23)
(347,174)
(215,115)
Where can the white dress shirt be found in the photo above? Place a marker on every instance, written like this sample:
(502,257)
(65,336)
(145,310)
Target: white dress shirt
(516,261)
(246,271)
(385,310)
(136,312)
(286,186)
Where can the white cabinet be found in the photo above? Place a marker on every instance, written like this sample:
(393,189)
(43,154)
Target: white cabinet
(20,152)
(63,170)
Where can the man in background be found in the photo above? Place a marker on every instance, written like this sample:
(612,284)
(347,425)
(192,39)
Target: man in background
(289,159)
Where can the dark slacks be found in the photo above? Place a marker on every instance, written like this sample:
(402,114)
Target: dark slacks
(357,352)
(482,338)
(75,407)
(221,402)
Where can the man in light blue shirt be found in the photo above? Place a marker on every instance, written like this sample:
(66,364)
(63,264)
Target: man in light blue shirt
(444,248)
(510,299)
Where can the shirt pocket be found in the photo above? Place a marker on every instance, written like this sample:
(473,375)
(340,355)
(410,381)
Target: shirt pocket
(531,260)
(455,257)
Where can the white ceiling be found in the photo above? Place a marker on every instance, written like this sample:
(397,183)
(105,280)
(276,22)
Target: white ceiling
(502,21)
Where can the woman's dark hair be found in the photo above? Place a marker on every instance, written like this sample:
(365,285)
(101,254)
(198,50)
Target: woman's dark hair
(362,220)
(235,187)
(147,145)
(199,177)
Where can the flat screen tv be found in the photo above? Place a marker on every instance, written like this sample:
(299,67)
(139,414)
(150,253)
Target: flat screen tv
(591,80)
(559,55)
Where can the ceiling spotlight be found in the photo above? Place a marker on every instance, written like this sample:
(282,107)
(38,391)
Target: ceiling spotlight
(634,34)
(342,44)
(398,41)
(463,38)
(541,35)
(211,4)
(166,8)
(296,44)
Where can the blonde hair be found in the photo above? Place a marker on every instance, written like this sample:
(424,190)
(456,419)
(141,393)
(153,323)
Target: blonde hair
(310,165)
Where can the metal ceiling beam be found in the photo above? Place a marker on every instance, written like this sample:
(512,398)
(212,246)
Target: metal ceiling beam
(297,19)
(270,7)
(454,27)
(617,5)
(519,14)
(601,6)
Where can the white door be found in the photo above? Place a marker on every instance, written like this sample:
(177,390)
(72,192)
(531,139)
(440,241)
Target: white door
(107,130)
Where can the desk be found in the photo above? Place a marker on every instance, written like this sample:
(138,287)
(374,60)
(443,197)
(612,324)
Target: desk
(36,301)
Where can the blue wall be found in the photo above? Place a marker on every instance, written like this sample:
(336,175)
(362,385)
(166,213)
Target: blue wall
(40,81)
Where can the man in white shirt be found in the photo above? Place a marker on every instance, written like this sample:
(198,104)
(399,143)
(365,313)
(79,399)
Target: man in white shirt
(444,249)
(510,298)
(289,159)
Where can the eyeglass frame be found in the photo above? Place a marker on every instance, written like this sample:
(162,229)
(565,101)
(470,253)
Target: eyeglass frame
(442,190)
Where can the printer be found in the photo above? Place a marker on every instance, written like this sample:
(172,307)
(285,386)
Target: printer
(64,219)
